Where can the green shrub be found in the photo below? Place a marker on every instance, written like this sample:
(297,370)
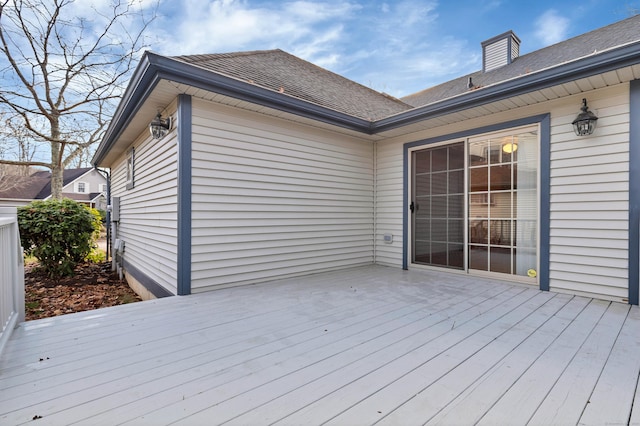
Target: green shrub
(97,222)
(96,255)
(59,233)
(103,215)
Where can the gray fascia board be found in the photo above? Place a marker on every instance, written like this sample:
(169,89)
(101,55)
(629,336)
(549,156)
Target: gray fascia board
(586,67)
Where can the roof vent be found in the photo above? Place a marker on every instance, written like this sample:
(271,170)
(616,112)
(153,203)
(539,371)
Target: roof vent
(499,51)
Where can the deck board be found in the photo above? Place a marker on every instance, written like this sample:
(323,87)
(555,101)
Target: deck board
(297,358)
(472,404)
(521,401)
(399,380)
(284,385)
(566,401)
(360,346)
(434,396)
(345,376)
(612,397)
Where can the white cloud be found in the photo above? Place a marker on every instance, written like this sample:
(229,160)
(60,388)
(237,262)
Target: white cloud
(490,5)
(425,68)
(406,49)
(551,27)
(228,25)
(319,49)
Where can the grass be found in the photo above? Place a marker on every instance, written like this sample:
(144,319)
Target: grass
(127,298)
(32,305)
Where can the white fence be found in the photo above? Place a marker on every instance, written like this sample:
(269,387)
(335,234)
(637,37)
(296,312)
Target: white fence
(11,274)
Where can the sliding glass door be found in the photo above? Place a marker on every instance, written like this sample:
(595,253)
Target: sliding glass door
(475,204)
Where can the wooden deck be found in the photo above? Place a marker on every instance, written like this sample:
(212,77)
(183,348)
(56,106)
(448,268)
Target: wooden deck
(365,346)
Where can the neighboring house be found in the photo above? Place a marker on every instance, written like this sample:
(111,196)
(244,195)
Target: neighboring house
(18,191)
(274,167)
(86,185)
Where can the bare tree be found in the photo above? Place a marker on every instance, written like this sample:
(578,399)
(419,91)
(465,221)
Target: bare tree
(64,74)
(16,145)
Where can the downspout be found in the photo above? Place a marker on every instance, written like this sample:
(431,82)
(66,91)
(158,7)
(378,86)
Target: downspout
(108,224)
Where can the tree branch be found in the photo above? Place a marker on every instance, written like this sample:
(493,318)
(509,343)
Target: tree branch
(26,163)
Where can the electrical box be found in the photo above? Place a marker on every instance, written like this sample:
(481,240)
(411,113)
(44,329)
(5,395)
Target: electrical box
(115,209)
(388,238)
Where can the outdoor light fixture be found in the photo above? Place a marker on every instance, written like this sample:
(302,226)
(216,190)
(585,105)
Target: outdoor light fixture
(159,126)
(510,145)
(585,122)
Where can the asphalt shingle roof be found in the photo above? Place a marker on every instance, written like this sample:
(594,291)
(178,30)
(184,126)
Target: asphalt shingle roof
(616,34)
(280,71)
(23,187)
(37,186)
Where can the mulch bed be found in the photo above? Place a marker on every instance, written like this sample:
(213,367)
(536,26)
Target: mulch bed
(93,286)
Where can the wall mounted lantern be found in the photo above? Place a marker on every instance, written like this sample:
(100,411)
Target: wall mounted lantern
(159,126)
(585,122)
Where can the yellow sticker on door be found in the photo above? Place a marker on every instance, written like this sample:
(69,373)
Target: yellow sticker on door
(532,273)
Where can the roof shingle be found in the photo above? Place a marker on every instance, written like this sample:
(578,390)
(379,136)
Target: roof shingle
(279,71)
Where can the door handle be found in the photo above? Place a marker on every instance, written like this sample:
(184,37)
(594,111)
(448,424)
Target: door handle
(412,207)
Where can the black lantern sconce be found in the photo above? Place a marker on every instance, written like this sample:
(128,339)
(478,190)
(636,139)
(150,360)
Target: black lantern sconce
(585,122)
(159,126)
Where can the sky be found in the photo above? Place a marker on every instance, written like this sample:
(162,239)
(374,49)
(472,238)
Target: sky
(397,47)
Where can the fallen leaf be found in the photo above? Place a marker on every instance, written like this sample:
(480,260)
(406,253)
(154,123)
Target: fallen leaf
(93,286)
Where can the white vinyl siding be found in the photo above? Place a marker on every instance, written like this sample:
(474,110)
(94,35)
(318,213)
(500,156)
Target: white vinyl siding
(590,200)
(515,49)
(389,200)
(500,52)
(272,198)
(496,55)
(91,179)
(148,211)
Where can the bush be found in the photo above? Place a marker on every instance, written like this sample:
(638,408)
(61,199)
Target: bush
(59,233)
(97,222)
(103,215)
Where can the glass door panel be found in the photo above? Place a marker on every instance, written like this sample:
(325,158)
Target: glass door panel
(438,206)
(503,201)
